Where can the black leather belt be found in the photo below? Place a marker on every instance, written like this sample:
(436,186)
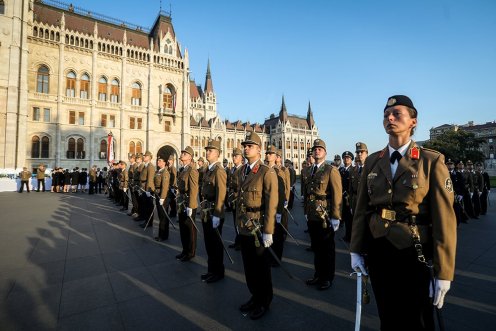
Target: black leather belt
(317,197)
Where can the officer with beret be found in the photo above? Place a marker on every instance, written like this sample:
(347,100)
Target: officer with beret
(324,196)
(255,215)
(405,201)
(161,182)
(187,200)
(345,171)
(232,194)
(212,212)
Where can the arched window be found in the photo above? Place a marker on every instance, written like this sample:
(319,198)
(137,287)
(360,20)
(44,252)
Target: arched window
(45,147)
(84,91)
(114,91)
(42,79)
(103,149)
(71,148)
(102,89)
(138,147)
(70,85)
(169,98)
(35,147)
(132,147)
(80,148)
(136,94)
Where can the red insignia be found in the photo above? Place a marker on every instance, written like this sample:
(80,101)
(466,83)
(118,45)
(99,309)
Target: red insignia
(255,169)
(414,153)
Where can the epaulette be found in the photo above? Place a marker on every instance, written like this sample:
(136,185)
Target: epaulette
(430,150)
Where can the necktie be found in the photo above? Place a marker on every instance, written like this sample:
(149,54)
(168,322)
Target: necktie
(395,156)
(359,170)
(314,170)
(248,169)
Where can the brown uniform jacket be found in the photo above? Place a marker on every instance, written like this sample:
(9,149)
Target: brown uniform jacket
(123,179)
(257,198)
(161,182)
(420,187)
(187,184)
(468,180)
(214,189)
(201,174)
(136,173)
(25,175)
(92,175)
(305,173)
(130,173)
(355,177)
(146,177)
(173,176)
(40,173)
(292,176)
(283,187)
(324,189)
(478,181)
(233,184)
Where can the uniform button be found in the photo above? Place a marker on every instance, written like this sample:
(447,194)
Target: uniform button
(389,191)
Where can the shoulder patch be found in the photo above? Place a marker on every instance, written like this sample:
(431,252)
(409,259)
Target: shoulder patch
(430,150)
(448,185)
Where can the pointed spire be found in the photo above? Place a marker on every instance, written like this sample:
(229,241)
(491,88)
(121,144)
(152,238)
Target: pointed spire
(283,113)
(310,120)
(209,87)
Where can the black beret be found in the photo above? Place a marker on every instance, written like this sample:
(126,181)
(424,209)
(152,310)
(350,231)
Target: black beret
(399,100)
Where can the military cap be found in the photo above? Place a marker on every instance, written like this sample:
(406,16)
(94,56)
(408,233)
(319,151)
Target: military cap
(225,161)
(213,144)
(132,156)
(348,153)
(319,143)
(459,162)
(237,151)
(148,153)
(271,149)
(201,159)
(171,157)
(399,100)
(337,157)
(360,147)
(252,139)
(478,164)
(309,152)
(188,150)
(123,162)
(288,161)
(469,162)
(304,162)
(279,153)
(449,161)
(139,155)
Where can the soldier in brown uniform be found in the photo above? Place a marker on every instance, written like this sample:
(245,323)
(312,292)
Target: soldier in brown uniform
(212,212)
(138,167)
(130,173)
(161,183)
(405,198)
(478,182)
(147,186)
(256,208)
(323,209)
(281,215)
(123,184)
(361,154)
(172,203)
(292,181)
(187,201)
(232,193)
(40,176)
(468,179)
(93,178)
(202,169)
(25,176)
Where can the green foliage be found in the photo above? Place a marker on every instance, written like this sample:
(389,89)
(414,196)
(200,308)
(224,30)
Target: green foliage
(458,145)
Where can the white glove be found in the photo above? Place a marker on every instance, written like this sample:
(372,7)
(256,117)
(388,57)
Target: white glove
(357,262)
(161,201)
(285,204)
(471,194)
(442,287)
(335,224)
(278,218)
(148,194)
(302,197)
(173,191)
(215,222)
(267,239)
(189,211)
(306,218)
(459,198)
(125,189)
(479,193)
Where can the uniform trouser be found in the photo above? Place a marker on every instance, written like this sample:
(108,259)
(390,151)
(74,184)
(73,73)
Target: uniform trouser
(163,228)
(188,233)
(172,206)
(401,287)
(476,203)
(146,205)
(41,182)
(124,198)
(99,185)
(24,182)
(324,250)
(213,246)
(483,202)
(134,197)
(92,187)
(256,262)
(279,237)
(467,203)
(237,235)
(291,200)
(347,217)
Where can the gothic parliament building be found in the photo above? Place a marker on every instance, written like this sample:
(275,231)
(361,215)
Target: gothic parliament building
(70,77)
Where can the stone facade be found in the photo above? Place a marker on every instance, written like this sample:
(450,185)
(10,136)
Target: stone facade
(73,77)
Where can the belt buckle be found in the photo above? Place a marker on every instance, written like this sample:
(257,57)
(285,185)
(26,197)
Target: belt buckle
(389,215)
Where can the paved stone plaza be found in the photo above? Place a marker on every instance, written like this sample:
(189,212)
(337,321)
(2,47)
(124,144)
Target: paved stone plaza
(74,262)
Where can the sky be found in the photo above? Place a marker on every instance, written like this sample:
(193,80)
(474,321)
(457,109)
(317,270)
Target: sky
(345,57)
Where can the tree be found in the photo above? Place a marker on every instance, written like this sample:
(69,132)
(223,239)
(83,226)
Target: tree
(458,145)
